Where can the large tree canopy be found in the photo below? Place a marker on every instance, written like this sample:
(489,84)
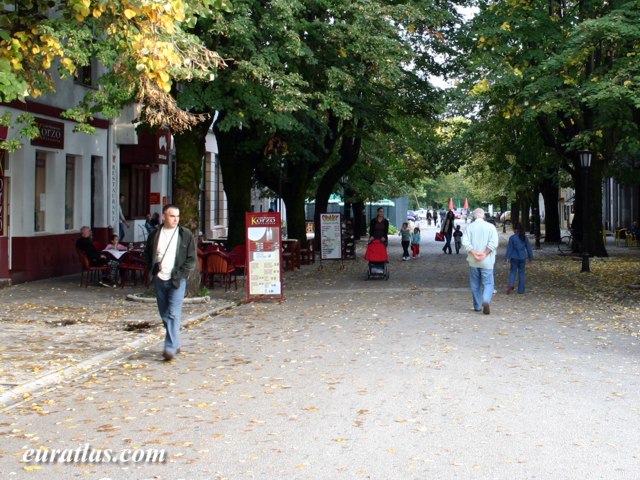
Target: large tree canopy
(143,45)
(309,80)
(565,72)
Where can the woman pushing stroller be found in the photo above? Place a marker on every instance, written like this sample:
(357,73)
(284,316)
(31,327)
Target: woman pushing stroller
(376,253)
(379,228)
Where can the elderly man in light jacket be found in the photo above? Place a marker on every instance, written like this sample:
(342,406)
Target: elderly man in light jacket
(481,242)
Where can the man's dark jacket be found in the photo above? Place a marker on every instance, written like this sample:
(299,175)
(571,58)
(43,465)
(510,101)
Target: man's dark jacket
(185,253)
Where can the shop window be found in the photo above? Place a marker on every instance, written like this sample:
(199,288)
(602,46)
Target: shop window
(87,75)
(69,193)
(134,185)
(40,204)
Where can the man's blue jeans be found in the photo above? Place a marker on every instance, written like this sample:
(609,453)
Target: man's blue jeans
(170,301)
(481,282)
(517,266)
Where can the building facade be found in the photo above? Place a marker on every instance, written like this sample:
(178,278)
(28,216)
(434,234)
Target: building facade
(63,180)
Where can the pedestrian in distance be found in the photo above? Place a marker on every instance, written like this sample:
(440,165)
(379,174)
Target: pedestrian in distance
(170,254)
(481,242)
(457,238)
(415,242)
(447,229)
(518,251)
(122,219)
(405,239)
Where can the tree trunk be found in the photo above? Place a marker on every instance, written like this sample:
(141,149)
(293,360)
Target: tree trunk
(591,202)
(348,156)
(190,151)
(551,197)
(515,209)
(294,198)
(237,174)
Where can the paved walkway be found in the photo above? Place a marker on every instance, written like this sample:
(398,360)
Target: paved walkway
(347,378)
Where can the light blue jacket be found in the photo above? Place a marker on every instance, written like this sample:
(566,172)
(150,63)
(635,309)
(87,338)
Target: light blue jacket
(480,236)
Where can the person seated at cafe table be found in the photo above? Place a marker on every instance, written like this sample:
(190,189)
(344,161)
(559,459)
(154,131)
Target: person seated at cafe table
(151,221)
(115,251)
(115,245)
(96,258)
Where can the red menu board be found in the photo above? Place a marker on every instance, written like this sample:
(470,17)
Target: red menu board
(264,256)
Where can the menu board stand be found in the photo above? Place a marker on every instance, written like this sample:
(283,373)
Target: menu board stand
(264,256)
(331,237)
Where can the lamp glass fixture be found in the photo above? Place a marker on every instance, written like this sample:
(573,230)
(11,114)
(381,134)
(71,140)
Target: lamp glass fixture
(585,158)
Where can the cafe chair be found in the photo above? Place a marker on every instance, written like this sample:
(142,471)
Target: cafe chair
(132,263)
(144,232)
(307,253)
(219,265)
(238,256)
(621,237)
(202,266)
(291,254)
(89,272)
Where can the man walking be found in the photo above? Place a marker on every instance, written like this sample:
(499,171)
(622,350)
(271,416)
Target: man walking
(170,255)
(481,242)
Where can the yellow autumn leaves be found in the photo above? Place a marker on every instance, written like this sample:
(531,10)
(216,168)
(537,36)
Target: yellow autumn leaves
(145,33)
(149,27)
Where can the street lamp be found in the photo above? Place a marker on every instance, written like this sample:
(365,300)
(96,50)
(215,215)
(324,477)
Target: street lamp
(585,163)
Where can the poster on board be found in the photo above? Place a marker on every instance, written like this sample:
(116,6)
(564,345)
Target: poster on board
(264,256)
(330,236)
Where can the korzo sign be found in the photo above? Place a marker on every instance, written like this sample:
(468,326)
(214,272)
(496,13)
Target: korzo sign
(51,134)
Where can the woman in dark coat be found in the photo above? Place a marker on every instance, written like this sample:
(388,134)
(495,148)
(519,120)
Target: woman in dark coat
(379,227)
(447,229)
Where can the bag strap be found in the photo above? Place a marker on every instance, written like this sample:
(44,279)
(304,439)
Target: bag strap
(165,250)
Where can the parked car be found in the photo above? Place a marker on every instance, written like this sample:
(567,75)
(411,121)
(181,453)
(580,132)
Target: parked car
(460,213)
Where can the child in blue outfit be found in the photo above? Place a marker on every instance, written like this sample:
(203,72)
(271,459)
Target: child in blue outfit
(518,250)
(415,242)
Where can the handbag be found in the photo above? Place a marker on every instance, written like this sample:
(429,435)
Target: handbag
(439,236)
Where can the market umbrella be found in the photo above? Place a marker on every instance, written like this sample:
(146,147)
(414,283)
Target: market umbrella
(466,204)
(451,207)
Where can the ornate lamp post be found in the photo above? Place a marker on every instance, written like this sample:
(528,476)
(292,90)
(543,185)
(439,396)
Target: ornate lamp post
(585,164)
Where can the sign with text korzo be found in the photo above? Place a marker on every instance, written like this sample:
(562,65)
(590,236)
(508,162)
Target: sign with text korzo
(330,236)
(264,256)
(51,134)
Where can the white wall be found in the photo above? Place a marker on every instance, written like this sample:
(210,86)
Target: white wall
(21,169)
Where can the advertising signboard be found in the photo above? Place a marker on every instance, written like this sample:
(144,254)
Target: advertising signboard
(264,256)
(330,236)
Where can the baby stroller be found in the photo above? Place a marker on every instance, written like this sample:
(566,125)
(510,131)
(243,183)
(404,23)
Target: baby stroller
(377,257)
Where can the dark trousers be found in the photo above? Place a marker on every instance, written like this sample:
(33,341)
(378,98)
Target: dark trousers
(447,244)
(405,248)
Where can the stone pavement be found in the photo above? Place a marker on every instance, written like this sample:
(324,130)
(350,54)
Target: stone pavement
(347,378)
